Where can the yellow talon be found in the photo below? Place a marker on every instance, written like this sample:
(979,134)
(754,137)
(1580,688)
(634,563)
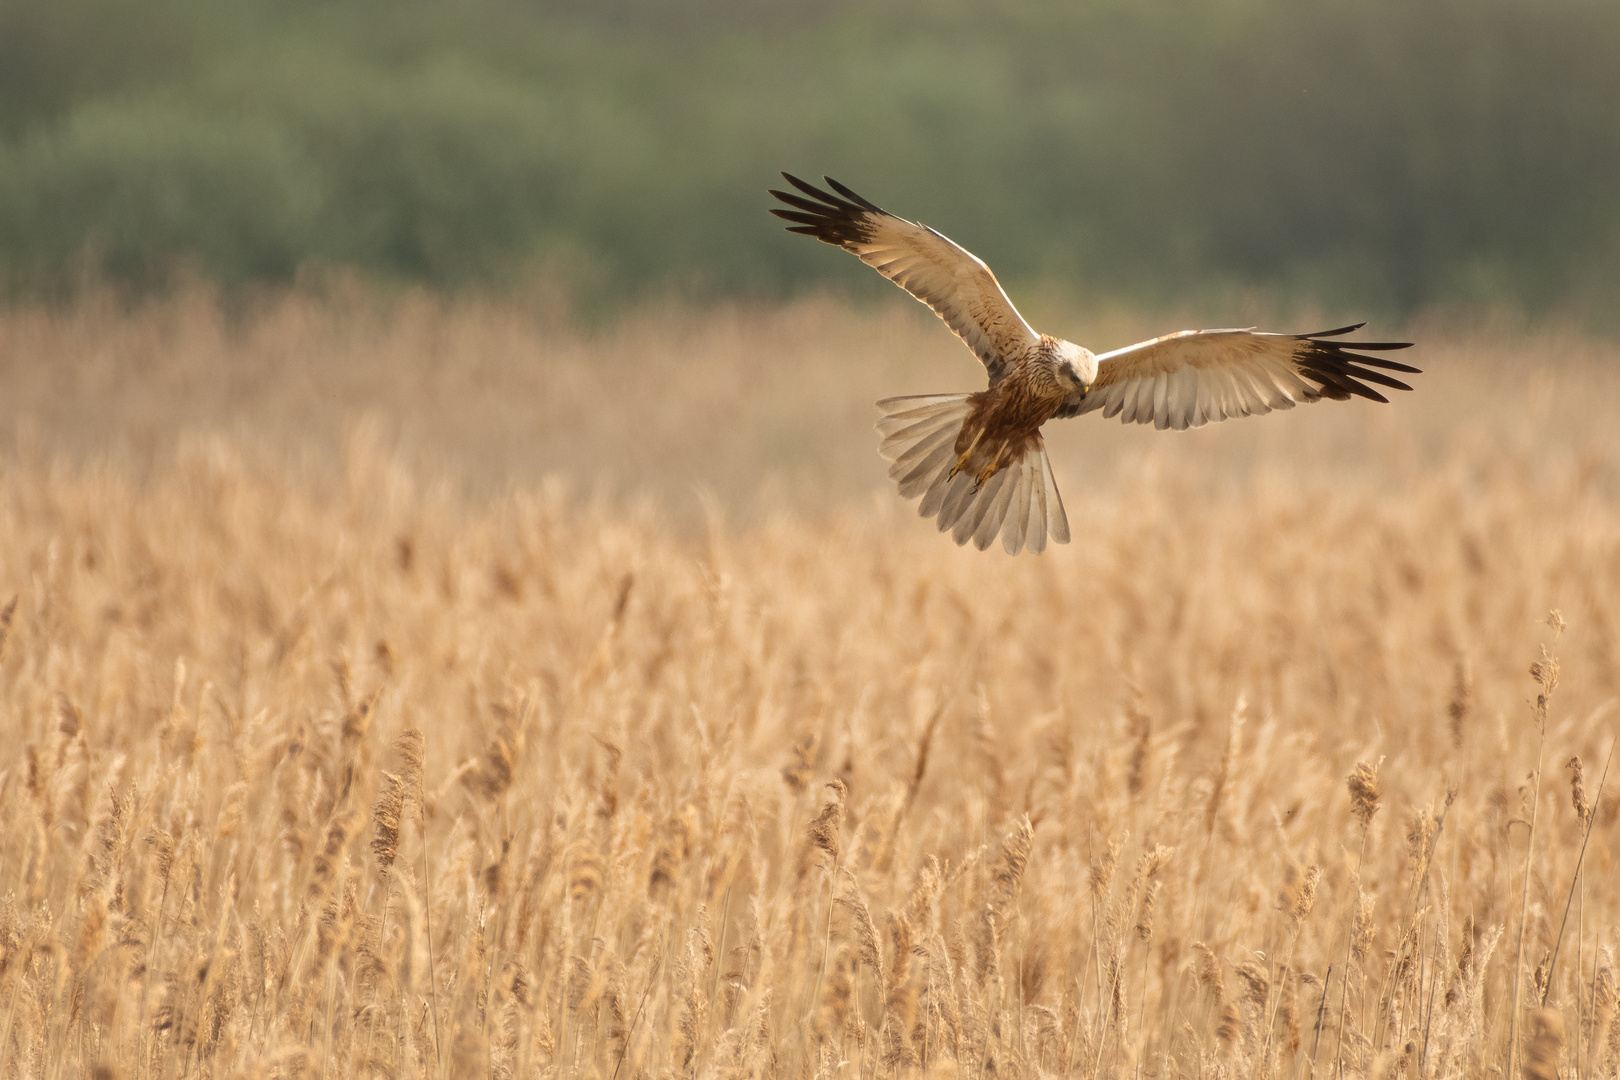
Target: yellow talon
(962,459)
(990,470)
(961,463)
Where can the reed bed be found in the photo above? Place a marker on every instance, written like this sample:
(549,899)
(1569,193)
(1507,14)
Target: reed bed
(329,755)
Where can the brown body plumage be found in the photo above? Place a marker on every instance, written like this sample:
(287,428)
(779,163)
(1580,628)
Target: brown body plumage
(1005,420)
(978,460)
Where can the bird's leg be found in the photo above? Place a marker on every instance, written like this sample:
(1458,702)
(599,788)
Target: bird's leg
(990,470)
(962,458)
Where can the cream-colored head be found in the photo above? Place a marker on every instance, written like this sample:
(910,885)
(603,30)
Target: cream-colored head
(1076,364)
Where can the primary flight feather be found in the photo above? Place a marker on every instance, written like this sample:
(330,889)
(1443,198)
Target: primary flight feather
(978,460)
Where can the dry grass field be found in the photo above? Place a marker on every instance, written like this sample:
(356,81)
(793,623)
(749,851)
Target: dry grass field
(398,687)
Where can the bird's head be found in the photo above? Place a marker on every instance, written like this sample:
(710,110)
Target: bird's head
(1076,365)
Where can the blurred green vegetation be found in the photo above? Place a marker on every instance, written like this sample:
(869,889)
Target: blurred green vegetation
(1388,153)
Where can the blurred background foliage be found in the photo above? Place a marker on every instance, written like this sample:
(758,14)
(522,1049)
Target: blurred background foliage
(1390,153)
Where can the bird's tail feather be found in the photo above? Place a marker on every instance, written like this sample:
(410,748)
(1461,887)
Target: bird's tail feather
(1019,502)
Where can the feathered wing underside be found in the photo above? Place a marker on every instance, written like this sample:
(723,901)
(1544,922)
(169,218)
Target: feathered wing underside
(951,280)
(1019,503)
(1197,377)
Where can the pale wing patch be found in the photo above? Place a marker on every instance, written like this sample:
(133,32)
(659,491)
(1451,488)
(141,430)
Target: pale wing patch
(952,281)
(1197,377)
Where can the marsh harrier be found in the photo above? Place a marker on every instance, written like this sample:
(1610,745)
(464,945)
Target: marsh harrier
(978,460)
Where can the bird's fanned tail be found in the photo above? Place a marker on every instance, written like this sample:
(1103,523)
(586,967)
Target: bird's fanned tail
(1019,502)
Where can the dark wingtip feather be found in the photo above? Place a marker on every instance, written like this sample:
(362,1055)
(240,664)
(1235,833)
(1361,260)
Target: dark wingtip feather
(1335,333)
(1377,346)
(830,200)
(1338,385)
(796,217)
(1380,362)
(1376,377)
(865,204)
(825,216)
(1341,371)
(1340,364)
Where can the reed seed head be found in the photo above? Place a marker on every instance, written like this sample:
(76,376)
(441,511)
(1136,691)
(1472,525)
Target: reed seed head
(1365,792)
(1577,790)
(827,826)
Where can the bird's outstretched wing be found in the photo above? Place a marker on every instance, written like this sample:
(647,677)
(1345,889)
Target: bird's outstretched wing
(1196,377)
(953,281)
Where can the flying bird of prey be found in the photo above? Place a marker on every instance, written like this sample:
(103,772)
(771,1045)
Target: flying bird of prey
(978,460)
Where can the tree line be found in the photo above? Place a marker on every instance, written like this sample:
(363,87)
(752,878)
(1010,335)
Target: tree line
(1390,152)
